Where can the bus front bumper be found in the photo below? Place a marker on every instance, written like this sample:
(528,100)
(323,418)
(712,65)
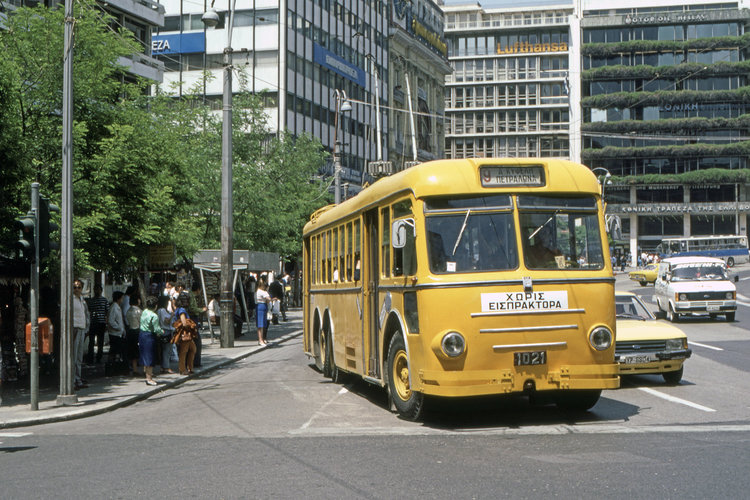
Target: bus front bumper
(488,382)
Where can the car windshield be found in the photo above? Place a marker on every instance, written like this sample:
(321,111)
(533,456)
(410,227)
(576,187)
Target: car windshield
(471,234)
(630,307)
(699,272)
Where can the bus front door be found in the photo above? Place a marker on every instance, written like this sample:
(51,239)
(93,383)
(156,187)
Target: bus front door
(370,282)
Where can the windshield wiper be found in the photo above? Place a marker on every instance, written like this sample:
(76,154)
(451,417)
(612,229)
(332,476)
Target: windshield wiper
(461,232)
(545,223)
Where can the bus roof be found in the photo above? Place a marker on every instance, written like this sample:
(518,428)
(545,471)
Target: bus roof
(454,177)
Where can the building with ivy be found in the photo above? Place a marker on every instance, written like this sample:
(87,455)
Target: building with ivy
(666,111)
(509,91)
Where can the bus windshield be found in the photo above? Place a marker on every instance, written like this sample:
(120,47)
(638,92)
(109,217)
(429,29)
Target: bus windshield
(470,234)
(560,233)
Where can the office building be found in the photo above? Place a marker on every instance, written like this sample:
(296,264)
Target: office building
(298,53)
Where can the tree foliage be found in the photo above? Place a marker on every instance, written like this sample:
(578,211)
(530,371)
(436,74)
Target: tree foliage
(719,42)
(707,176)
(670,126)
(664,97)
(671,151)
(676,71)
(146,168)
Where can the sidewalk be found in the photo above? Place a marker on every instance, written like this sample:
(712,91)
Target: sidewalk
(108,393)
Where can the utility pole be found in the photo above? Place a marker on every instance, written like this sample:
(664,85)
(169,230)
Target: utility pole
(66,395)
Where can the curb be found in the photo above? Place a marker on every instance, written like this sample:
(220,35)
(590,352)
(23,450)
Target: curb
(129,400)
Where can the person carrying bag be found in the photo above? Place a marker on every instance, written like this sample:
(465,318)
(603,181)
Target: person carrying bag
(185,333)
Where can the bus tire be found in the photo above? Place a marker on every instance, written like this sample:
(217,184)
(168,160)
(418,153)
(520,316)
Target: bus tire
(730,262)
(673,378)
(326,352)
(730,316)
(408,403)
(578,400)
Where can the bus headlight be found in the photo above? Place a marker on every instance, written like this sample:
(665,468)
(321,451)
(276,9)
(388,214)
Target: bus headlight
(600,338)
(453,344)
(674,344)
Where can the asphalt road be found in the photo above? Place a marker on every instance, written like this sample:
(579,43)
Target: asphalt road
(272,427)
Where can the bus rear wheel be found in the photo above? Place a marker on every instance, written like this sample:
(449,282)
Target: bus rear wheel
(730,262)
(408,403)
(578,400)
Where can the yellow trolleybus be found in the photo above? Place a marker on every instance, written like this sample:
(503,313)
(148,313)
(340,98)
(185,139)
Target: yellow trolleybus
(463,278)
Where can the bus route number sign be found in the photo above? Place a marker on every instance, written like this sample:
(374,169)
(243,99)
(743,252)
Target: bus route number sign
(501,176)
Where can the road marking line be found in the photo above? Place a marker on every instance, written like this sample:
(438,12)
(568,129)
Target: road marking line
(746,304)
(343,390)
(14,434)
(705,346)
(676,400)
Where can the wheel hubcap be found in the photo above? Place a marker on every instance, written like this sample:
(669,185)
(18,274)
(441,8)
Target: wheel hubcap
(401,375)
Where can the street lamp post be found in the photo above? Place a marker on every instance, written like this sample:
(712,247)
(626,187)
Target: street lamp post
(226,299)
(342,104)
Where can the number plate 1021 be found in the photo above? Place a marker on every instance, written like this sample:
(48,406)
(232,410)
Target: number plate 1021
(530,358)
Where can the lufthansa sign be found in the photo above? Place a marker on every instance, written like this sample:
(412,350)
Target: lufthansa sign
(526,47)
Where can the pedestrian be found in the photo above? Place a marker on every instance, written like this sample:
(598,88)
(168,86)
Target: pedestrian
(165,322)
(129,291)
(213,310)
(132,335)
(116,329)
(276,291)
(262,301)
(98,309)
(149,334)
(184,336)
(80,329)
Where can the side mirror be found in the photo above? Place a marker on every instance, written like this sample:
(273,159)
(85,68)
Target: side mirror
(398,232)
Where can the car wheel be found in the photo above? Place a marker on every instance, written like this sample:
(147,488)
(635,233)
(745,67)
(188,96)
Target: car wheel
(577,400)
(643,282)
(673,378)
(408,403)
(671,315)
(730,262)
(730,317)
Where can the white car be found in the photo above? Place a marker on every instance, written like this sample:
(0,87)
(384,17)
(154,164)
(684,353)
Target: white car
(695,285)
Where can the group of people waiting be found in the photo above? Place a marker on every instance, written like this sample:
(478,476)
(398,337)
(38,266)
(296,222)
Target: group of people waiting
(139,334)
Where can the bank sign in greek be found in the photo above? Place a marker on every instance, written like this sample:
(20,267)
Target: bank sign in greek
(339,65)
(178,43)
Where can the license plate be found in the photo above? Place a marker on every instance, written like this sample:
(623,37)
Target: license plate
(637,359)
(713,308)
(530,358)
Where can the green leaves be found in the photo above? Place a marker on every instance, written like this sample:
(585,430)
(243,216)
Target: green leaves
(146,169)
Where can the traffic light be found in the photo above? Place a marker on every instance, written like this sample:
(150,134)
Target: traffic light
(25,243)
(45,227)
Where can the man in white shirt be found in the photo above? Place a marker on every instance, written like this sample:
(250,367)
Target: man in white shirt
(80,329)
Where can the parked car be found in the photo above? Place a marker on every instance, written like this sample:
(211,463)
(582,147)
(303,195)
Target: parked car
(644,345)
(695,285)
(645,275)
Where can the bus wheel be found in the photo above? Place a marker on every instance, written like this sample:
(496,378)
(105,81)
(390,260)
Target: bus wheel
(730,317)
(325,352)
(578,400)
(408,403)
(673,378)
(730,262)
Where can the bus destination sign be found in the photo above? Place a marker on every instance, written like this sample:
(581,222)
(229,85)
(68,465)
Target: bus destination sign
(502,176)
